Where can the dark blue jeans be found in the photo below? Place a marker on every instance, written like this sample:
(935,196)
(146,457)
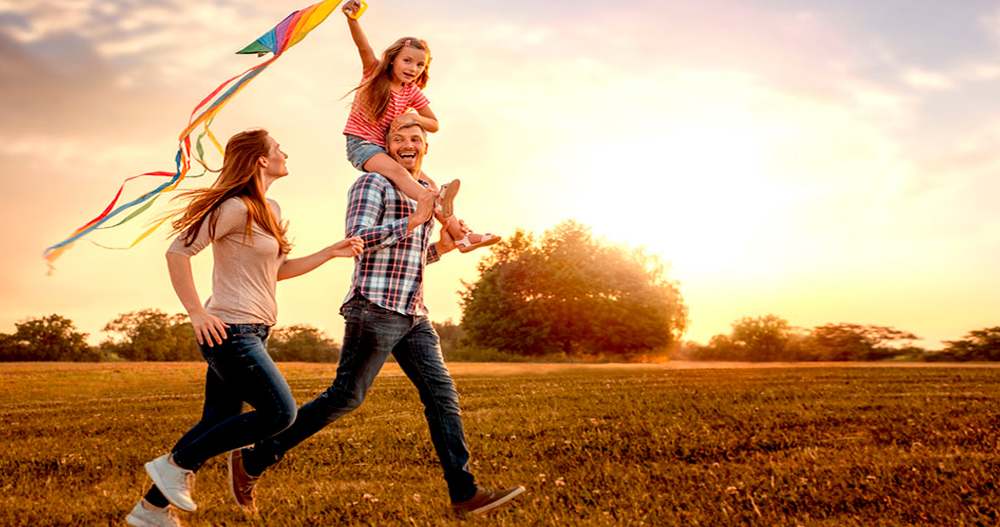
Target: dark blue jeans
(239,370)
(371,333)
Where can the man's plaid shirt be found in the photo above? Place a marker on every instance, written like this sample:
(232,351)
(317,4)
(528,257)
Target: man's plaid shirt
(390,271)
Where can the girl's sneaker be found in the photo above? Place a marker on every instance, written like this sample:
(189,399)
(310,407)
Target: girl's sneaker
(146,515)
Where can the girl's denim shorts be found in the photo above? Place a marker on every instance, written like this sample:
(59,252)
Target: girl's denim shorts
(360,150)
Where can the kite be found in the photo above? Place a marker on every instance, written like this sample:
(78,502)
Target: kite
(278,40)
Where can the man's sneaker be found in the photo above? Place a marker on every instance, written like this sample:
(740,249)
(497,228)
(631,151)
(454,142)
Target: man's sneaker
(145,515)
(485,500)
(174,482)
(241,484)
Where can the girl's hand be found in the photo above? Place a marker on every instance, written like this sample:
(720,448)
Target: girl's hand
(347,248)
(208,328)
(404,119)
(351,7)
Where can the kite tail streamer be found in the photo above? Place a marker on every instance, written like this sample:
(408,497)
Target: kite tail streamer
(279,39)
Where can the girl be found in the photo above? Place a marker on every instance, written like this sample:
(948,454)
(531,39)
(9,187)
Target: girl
(250,254)
(389,88)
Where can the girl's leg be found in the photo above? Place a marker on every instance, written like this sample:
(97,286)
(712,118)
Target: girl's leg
(388,167)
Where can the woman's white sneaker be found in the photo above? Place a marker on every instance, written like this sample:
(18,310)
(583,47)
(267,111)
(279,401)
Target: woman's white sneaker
(174,482)
(146,515)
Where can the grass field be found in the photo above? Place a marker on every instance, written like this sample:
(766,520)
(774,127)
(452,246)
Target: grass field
(594,445)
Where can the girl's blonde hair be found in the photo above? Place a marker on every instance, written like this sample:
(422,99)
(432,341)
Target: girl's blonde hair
(238,177)
(375,92)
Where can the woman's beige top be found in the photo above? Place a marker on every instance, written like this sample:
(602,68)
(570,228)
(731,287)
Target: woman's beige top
(245,273)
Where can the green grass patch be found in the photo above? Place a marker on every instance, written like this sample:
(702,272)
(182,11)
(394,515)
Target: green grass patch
(593,444)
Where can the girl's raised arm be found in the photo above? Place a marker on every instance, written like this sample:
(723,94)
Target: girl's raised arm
(368,58)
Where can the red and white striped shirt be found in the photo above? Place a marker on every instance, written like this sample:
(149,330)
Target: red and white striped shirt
(360,125)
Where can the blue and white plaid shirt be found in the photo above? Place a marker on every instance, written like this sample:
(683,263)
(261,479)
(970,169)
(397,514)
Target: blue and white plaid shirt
(390,271)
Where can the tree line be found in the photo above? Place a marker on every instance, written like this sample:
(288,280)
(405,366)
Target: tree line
(561,295)
(147,335)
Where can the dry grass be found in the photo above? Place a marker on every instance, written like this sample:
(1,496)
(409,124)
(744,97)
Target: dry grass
(595,445)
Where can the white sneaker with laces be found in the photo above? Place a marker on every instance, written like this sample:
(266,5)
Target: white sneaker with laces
(146,515)
(174,482)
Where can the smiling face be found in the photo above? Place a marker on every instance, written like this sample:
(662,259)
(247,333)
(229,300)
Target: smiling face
(408,65)
(408,146)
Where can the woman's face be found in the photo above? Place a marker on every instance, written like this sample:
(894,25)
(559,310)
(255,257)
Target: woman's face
(274,162)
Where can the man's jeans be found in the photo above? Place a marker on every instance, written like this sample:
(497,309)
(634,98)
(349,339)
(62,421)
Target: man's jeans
(239,370)
(370,335)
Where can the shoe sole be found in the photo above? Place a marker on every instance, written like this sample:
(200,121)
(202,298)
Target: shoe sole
(232,482)
(447,199)
(158,481)
(135,521)
(494,504)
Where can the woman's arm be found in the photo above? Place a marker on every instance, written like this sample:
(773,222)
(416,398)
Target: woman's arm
(207,327)
(300,266)
(368,58)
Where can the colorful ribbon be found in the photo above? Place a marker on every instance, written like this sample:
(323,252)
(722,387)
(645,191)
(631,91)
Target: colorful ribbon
(279,39)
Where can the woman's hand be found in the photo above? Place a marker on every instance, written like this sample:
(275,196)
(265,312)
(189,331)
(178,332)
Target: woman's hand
(347,248)
(208,328)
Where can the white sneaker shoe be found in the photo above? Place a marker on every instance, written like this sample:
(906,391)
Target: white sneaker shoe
(174,482)
(143,516)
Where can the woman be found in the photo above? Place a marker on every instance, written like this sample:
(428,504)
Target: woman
(250,251)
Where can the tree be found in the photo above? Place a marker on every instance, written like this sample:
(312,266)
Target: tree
(152,335)
(855,342)
(51,338)
(450,335)
(761,339)
(978,345)
(302,343)
(567,293)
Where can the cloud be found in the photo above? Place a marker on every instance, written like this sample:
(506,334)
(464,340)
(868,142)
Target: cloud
(923,79)
(991,24)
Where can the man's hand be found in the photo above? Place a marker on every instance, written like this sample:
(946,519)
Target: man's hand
(424,212)
(446,243)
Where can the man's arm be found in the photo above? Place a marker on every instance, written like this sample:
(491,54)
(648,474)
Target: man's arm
(366,205)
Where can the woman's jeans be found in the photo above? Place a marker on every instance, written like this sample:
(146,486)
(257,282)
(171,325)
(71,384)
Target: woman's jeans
(239,370)
(371,333)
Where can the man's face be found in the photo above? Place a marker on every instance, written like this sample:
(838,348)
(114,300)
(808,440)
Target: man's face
(407,146)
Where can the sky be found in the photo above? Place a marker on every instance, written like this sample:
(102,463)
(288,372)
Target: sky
(822,161)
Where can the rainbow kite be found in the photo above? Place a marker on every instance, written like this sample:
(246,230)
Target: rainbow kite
(286,34)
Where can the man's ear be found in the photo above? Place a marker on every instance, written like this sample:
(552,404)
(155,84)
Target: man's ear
(426,146)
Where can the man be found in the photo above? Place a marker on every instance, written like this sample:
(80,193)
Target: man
(384,313)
